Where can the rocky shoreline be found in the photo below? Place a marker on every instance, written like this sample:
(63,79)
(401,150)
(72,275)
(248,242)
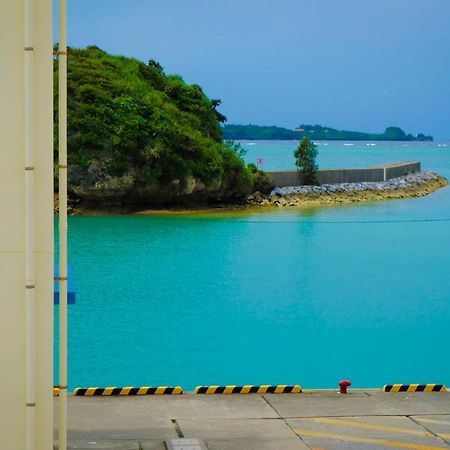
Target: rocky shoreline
(413,185)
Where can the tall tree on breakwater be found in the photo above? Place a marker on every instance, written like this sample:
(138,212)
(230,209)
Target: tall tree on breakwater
(305,160)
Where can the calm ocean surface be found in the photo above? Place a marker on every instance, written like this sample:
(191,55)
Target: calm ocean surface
(307,297)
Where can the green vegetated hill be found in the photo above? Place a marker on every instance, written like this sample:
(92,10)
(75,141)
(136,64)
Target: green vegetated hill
(327,133)
(257,132)
(316,132)
(137,135)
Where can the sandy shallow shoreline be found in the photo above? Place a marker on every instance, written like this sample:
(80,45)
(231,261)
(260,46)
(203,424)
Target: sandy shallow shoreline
(410,186)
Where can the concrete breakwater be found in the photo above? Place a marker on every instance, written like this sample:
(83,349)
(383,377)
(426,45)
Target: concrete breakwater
(332,176)
(413,185)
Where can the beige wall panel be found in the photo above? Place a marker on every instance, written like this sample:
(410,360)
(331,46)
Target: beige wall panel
(44,352)
(12,308)
(43,85)
(44,128)
(12,226)
(11,126)
(12,352)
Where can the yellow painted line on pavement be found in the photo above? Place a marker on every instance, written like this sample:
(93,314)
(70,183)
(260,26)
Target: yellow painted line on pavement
(366,426)
(437,422)
(443,422)
(361,440)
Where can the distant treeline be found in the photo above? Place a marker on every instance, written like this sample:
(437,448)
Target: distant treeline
(316,132)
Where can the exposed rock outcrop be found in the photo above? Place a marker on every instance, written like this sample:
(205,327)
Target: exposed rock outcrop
(414,185)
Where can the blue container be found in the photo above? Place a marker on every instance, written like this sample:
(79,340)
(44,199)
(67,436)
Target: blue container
(70,288)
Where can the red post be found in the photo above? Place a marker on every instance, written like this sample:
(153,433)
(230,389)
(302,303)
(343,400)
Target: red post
(343,385)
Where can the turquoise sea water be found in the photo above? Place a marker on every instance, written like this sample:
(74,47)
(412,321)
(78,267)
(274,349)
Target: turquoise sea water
(305,296)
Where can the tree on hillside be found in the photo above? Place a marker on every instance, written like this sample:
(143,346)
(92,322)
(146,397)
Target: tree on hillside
(305,160)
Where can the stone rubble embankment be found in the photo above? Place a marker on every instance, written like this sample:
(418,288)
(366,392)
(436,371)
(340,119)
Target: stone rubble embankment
(413,185)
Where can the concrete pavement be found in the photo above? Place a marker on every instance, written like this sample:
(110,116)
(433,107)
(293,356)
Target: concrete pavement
(363,419)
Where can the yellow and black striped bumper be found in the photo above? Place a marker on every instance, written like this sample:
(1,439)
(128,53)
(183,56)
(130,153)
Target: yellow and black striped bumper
(113,391)
(414,388)
(250,389)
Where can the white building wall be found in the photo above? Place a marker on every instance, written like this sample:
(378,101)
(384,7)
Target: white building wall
(12,226)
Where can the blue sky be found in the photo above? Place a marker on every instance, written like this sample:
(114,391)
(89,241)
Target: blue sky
(354,64)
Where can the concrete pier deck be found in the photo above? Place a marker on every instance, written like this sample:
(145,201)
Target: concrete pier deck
(362,419)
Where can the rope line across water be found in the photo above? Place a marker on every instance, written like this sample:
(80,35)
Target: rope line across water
(343,222)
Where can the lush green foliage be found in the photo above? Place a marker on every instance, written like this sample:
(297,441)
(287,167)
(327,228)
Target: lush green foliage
(262,181)
(256,132)
(130,117)
(305,160)
(316,132)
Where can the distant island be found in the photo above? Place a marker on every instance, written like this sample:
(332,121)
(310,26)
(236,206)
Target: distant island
(315,132)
